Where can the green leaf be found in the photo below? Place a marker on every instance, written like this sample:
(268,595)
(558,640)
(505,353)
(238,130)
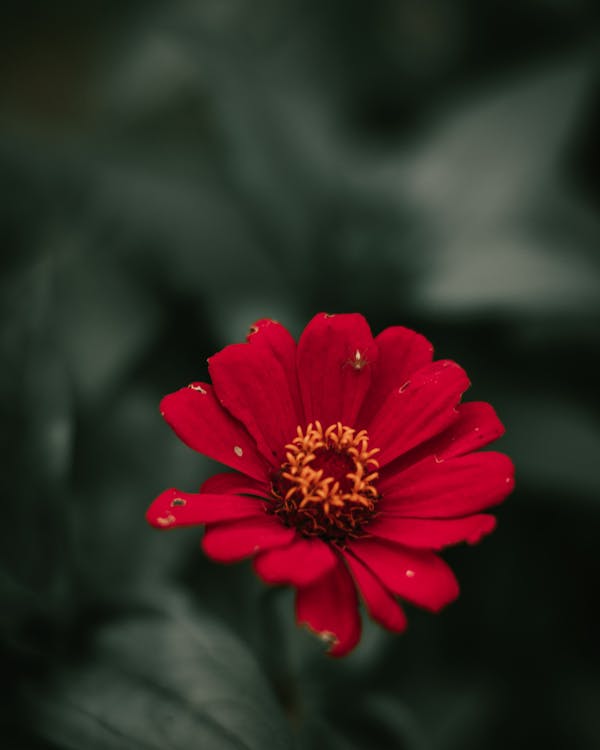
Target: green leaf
(158,681)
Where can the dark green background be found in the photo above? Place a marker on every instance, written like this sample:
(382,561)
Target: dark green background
(168,174)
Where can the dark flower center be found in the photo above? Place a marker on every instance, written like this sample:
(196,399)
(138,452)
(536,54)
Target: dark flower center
(325,487)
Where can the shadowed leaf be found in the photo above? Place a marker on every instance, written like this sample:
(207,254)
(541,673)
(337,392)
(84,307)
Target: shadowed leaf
(156,682)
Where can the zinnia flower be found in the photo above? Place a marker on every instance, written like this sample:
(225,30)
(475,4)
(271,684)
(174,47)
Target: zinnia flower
(354,463)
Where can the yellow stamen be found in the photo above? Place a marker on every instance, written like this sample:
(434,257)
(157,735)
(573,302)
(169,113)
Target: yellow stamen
(333,505)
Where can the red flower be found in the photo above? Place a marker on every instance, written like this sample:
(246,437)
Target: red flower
(354,463)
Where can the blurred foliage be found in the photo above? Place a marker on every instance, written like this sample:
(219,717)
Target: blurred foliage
(169,173)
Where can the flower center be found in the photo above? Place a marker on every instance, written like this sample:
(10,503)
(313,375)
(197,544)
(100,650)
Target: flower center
(325,487)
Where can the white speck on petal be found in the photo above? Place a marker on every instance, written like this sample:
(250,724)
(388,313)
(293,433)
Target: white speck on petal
(410,574)
(166,520)
(195,387)
(327,637)
(238,451)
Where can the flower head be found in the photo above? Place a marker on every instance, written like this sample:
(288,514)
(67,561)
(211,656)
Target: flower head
(354,463)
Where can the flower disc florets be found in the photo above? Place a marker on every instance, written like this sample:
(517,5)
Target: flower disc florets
(326,485)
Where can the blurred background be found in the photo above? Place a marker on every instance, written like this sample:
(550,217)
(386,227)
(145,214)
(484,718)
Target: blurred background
(171,172)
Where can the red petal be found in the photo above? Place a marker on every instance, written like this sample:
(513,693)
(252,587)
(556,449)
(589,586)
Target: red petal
(418,410)
(202,424)
(419,576)
(401,352)
(329,607)
(230,542)
(301,563)
(435,488)
(476,426)
(428,533)
(273,335)
(380,604)
(256,383)
(234,484)
(336,354)
(175,508)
